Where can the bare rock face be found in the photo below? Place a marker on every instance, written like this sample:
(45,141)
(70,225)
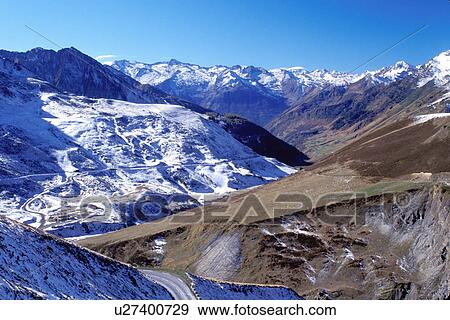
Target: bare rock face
(428,253)
(72,71)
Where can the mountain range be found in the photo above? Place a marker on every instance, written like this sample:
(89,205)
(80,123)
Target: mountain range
(305,108)
(253,92)
(323,121)
(69,70)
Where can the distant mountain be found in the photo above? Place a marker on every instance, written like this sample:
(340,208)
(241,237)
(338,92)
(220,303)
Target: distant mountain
(436,70)
(325,119)
(398,71)
(252,92)
(35,265)
(69,70)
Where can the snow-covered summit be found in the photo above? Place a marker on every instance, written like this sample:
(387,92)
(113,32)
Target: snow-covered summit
(397,71)
(252,92)
(437,70)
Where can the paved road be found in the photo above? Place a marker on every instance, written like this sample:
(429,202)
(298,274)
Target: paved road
(175,285)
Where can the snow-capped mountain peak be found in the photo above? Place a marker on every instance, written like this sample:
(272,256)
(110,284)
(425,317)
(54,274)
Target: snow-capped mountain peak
(263,91)
(437,69)
(395,72)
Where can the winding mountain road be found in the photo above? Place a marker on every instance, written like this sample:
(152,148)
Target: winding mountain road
(174,284)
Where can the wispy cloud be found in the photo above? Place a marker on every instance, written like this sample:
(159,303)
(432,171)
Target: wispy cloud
(105,57)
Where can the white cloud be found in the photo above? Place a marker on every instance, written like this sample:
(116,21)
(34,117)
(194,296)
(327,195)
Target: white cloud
(105,57)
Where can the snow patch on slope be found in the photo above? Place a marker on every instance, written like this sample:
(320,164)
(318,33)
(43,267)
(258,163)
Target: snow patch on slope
(428,117)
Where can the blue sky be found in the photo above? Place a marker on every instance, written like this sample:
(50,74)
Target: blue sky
(333,34)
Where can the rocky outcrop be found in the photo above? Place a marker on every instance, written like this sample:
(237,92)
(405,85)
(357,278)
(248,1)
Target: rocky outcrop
(400,252)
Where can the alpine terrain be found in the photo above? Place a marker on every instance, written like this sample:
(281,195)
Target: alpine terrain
(369,219)
(175,181)
(76,160)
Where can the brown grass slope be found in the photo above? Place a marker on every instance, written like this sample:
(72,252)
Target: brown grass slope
(397,149)
(325,120)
